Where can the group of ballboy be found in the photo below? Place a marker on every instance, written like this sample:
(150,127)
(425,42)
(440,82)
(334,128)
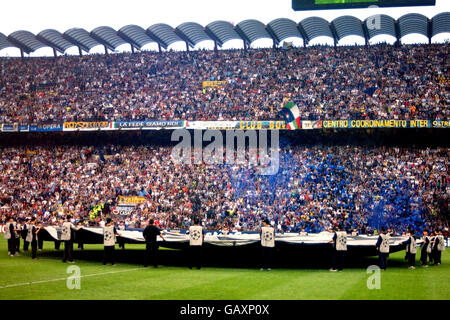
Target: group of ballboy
(431,248)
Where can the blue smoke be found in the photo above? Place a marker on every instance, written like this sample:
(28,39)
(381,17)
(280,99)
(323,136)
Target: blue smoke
(395,208)
(388,201)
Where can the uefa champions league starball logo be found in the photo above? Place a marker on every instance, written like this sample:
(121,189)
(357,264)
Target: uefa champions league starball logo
(196,235)
(268,236)
(343,241)
(108,235)
(65,230)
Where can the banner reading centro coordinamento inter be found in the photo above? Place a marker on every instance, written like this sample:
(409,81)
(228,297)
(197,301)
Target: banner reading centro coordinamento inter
(385,124)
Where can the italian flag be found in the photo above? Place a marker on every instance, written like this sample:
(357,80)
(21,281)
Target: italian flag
(292,116)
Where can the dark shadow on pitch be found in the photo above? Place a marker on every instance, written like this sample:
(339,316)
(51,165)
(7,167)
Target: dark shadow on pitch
(313,257)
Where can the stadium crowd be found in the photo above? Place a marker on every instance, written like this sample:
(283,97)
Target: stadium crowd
(372,82)
(315,189)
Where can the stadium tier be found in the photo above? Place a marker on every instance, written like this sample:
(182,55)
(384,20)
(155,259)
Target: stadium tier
(315,188)
(379,82)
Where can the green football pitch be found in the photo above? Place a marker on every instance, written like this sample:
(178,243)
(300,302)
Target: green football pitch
(47,278)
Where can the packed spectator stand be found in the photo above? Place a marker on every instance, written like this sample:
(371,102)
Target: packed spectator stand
(315,189)
(327,83)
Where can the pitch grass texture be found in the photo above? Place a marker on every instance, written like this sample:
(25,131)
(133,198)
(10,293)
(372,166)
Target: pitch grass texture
(45,278)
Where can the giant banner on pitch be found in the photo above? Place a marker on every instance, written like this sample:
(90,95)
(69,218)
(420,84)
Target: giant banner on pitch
(178,238)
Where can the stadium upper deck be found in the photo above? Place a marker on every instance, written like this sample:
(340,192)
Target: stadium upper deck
(379,82)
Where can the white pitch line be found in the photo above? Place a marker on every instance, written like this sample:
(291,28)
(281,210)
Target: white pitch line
(62,279)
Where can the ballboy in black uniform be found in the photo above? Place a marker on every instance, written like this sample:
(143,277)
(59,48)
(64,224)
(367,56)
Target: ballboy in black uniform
(411,250)
(121,242)
(19,230)
(40,240)
(32,236)
(440,246)
(425,249)
(26,226)
(10,235)
(79,241)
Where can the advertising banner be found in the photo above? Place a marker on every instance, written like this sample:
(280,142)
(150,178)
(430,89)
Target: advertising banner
(131,200)
(87,126)
(440,124)
(308,125)
(443,79)
(257,125)
(46,127)
(149,125)
(123,210)
(10,127)
(212,125)
(126,204)
(236,125)
(213,83)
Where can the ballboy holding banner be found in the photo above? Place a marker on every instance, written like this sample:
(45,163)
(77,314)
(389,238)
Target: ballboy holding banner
(425,249)
(383,248)
(10,235)
(67,235)
(109,241)
(411,250)
(267,245)
(196,236)
(339,249)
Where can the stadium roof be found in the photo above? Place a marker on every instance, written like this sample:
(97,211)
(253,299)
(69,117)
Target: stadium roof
(192,32)
(221,31)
